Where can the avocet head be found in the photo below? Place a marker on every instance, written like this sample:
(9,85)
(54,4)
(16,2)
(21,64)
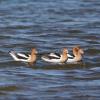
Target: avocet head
(33,56)
(65,50)
(77,50)
(34,51)
(81,51)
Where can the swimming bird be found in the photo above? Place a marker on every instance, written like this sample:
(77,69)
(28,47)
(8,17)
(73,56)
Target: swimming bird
(58,55)
(77,55)
(60,58)
(30,58)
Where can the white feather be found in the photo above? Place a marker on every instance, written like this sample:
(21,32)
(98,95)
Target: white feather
(14,56)
(54,60)
(69,55)
(54,55)
(22,55)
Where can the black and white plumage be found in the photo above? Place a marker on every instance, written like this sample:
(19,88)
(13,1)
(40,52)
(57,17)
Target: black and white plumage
(58,58)
(19,56)
(75,57)
(24,57)
(58,55)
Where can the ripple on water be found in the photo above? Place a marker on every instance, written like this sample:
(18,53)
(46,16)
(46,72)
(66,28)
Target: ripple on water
(49,25)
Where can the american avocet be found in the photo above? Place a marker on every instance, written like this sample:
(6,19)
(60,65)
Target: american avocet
(77,52)
(77,55)
(61,58)
(58,55)
(30,58)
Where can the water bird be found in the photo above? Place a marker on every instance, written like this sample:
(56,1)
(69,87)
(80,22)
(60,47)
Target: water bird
(59,58)
(30,58)
(77,55)
(58,55)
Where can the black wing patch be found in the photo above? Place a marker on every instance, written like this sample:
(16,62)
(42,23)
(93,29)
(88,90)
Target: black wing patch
(70,57)
(58,54)
(20,57)
(51,57)
(26,54)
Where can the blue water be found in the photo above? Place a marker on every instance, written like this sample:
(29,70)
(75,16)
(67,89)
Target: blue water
(49,25)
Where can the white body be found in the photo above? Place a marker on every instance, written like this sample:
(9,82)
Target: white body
(70,59)
(56,58)
(14,56)
(52,60)
(54,55)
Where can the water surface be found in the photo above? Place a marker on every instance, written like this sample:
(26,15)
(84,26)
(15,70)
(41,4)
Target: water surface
(50,25)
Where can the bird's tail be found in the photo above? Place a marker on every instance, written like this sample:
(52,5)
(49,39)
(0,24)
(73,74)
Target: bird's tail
(14,56)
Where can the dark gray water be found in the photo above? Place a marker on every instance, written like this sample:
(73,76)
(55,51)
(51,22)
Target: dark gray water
(49,25)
